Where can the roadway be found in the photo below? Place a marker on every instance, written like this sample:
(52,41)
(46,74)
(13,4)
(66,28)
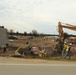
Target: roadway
(37,69)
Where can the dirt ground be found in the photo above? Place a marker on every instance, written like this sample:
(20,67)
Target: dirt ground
(25,41)
(33,61)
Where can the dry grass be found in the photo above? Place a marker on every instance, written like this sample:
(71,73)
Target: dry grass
(34,61)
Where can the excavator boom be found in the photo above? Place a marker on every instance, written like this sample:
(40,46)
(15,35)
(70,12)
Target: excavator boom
(70,27)
(61,32)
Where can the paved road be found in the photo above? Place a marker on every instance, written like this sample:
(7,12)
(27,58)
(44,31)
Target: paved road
(37,69)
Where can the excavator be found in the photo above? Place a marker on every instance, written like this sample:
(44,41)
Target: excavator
(61,32)
(63,35)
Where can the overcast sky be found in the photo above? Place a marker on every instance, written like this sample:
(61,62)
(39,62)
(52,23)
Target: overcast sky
(41,15)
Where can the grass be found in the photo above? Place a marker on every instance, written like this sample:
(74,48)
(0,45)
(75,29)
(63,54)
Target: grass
(51,58)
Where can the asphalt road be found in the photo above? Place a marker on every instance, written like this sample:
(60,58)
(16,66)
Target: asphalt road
(37,69)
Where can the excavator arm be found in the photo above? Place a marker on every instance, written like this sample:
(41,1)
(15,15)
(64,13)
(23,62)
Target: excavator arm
(61,32)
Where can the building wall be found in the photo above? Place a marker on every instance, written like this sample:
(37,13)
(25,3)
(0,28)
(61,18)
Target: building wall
(3,37)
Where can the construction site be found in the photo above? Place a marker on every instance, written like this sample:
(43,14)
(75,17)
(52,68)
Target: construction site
(38,47)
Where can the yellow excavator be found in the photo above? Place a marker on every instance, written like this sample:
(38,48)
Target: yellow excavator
(63,35)
(61,32)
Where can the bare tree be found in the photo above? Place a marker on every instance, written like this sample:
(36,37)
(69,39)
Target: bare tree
(34,31)
(11,31)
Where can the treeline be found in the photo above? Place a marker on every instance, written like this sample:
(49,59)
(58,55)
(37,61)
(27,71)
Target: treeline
(37,34)
(30,34)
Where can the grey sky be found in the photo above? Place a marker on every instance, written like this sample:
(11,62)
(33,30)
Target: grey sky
(42,15)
